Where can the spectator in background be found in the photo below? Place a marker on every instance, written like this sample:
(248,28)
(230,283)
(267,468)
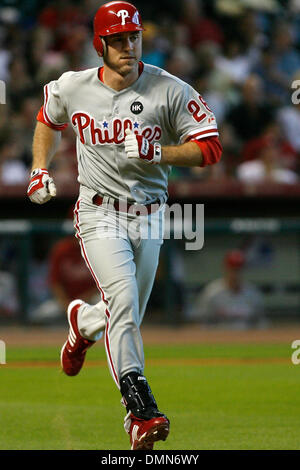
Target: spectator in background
(271,159)
(279,62)
(230,300)
(235,62)
(170,277)
(23,123)
(9,305)
(40,42)
(4,64)
(241,56)
(13,170)
(20,84)
(251,34)
(61,279)
(7,18)
(10,288)
(272,137)
(251,115)
(288,119)
(69,24)
(275,90)
(62,17)
(200,27)
(69,278)
(155,47)
(38,286)
(52,65)
(266,169)
(181,61)
(287,57)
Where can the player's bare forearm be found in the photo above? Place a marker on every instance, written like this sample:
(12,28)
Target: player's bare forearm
(44,146)
(188,154)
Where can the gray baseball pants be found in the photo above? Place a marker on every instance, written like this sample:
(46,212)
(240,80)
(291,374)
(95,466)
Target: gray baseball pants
(122,251)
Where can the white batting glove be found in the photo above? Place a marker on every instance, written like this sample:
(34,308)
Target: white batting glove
(41,187)
(137,146)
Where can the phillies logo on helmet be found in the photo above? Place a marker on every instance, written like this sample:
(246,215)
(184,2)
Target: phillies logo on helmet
(105,21)
(124,14)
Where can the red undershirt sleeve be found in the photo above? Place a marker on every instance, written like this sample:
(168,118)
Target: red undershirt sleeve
(211,149)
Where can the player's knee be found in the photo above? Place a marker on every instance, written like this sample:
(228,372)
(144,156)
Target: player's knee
(126,301)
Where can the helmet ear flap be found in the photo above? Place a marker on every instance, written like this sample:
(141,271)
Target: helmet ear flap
(104,46)
(98,44)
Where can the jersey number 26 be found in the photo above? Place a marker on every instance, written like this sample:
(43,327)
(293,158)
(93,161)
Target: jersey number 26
(195,110)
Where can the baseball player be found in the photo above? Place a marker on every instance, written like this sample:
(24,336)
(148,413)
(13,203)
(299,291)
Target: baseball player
(132,122)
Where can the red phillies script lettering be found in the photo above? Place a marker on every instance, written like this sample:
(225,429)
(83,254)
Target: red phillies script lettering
(81,121)
(112,132)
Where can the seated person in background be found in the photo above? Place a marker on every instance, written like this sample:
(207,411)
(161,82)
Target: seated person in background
(271,163)
(9,305)
(230,299)
(252,113)
(69,277)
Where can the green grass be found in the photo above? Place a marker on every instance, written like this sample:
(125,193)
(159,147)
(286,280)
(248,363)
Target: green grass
(235,351)
(210,406)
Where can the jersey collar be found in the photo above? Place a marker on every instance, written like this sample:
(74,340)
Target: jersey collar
(101,70)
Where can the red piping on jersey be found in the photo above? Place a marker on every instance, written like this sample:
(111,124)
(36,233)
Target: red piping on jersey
(202,133)
(57,127)
(107,313)
(211,149)
(101,70)
(100,74)
(43,117)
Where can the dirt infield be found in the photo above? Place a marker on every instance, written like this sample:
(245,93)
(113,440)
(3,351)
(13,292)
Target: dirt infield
(191,334)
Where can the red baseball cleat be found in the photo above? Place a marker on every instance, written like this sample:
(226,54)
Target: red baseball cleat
(143,433)
(73,351)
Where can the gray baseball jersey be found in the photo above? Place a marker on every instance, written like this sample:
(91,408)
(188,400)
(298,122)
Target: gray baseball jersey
(158,105)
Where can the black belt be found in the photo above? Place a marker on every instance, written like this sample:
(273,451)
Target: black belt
(136,209)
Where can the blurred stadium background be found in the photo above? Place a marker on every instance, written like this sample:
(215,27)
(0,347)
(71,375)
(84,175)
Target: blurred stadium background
(243,56)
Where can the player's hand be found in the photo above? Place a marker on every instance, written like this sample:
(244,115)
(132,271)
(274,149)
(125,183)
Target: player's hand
(137,146)
(41,187)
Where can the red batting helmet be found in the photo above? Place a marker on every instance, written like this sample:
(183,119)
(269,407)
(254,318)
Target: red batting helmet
(115,17)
